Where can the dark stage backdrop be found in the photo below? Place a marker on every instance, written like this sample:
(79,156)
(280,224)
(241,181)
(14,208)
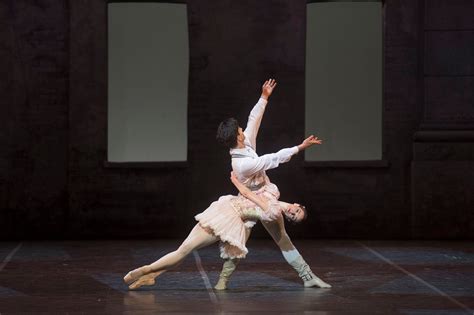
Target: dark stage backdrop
(54,183)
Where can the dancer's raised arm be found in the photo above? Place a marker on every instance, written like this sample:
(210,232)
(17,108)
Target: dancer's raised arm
(255,117)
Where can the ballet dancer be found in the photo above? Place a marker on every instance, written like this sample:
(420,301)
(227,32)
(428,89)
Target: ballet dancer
(225,220)
(250,170)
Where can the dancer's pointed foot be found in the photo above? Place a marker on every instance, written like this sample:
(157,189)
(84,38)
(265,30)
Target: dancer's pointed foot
(135,274)
(145,280)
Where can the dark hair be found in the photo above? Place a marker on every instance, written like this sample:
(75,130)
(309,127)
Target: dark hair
(304,211)
(227,133)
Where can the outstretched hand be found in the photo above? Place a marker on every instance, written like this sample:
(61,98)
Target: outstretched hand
(310,141)
(267,88)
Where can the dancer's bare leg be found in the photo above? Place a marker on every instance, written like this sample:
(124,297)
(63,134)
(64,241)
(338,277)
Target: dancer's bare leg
(197,238)
(277,230)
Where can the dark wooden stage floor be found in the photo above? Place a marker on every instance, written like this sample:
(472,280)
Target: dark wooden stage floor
(368,277)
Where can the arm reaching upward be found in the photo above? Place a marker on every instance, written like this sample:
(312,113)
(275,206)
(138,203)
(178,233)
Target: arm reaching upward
(255,117)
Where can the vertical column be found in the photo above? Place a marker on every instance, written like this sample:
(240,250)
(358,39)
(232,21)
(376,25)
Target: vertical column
(443,167)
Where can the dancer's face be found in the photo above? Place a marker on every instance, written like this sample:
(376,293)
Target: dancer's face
(294,213)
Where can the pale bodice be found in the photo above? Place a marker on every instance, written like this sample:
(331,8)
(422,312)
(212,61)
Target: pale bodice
(249,212)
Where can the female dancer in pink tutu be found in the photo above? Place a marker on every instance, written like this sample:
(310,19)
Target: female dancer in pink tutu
(227,220)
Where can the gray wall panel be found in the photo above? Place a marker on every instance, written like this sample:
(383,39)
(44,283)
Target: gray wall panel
(449,100)
(344,80)
(449,14)
(449,53)
(148,61)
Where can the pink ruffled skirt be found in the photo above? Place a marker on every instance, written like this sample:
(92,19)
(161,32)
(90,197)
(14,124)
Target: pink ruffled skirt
(224,221)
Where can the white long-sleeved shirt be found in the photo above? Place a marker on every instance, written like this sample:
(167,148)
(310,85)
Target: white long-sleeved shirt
(249,167)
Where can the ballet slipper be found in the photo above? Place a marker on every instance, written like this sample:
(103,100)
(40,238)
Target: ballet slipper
(145,280)
(134,274)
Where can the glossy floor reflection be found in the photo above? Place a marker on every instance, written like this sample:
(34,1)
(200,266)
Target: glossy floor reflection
(368,277)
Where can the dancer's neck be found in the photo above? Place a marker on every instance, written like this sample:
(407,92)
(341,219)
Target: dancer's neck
(240,145)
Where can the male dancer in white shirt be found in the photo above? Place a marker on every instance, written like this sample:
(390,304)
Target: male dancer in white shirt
(250,170)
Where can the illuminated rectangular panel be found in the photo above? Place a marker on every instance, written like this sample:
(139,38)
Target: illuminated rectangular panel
(344,80)
(148,58)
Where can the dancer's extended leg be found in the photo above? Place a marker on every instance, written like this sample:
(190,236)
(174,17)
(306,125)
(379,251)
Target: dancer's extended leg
(197,238)
(291,254)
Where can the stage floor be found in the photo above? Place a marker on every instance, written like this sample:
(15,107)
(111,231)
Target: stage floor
(368,277)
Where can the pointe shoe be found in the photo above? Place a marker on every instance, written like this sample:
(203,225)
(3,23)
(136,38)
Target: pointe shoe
(145,280)
(134,275)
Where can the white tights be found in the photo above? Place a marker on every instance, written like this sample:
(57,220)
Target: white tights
(197,238)
(277,230)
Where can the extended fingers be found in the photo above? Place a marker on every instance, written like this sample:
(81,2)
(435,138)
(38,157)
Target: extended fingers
(270,83)
(314,140)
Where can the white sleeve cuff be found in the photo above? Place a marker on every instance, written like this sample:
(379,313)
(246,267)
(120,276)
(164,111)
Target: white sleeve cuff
(263,101)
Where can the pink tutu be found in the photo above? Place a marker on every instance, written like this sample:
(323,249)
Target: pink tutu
(224,220)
